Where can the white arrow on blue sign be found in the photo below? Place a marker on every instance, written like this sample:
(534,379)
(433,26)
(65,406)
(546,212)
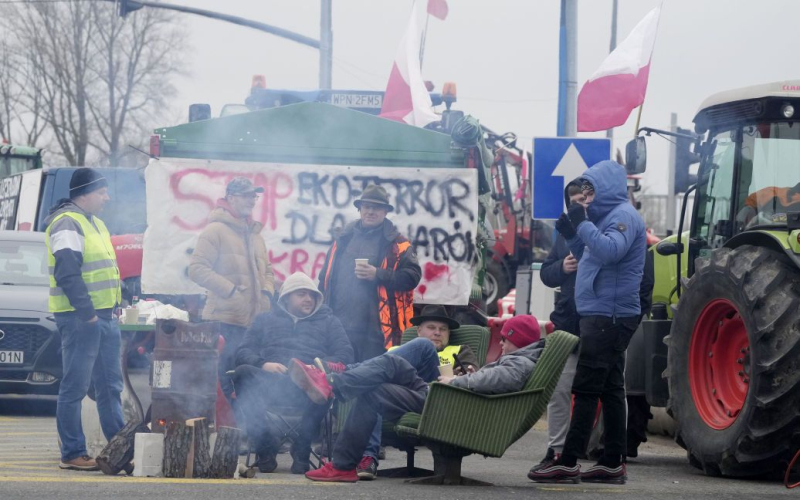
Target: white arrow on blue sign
(556,161)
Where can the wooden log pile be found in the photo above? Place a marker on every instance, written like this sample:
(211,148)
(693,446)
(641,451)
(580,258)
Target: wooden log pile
(187,451)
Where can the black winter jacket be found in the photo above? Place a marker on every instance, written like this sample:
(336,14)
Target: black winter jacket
(564,315)
(275,337)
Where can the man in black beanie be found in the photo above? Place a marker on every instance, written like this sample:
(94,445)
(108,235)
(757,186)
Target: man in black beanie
(84,290)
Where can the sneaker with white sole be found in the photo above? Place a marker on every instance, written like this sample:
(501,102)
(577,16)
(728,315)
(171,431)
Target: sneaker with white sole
(600,473)
(367,469)
(555,473)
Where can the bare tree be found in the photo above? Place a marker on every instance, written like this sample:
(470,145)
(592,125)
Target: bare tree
(136,60)
(8,91)
(93,78)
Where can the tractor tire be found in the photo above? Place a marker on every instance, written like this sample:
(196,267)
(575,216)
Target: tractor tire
(495,285)
(734,362)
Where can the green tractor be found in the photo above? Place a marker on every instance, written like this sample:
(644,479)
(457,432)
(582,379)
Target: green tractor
(728,370)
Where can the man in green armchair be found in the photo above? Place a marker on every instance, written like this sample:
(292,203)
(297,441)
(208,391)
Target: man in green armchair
(390,386)
(426,353)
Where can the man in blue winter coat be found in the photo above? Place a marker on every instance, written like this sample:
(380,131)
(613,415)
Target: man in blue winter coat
(607,237)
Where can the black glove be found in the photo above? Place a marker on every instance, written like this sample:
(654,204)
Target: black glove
(577,214)
(564,227)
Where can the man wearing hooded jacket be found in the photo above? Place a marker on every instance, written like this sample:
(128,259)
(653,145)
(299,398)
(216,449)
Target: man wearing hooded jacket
(230,260)
(608,239)
(299,327)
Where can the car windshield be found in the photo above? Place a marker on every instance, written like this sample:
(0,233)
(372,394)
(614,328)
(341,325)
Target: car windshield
(23,263)
(769,184)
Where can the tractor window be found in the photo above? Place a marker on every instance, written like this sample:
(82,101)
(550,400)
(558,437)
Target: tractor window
(769,185)
(714,195)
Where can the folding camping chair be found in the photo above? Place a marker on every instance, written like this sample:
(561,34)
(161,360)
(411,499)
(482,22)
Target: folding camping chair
(286,420)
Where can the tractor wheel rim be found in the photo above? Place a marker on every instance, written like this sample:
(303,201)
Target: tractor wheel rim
(719,364)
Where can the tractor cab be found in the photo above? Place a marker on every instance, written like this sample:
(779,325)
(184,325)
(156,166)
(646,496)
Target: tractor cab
(748,187)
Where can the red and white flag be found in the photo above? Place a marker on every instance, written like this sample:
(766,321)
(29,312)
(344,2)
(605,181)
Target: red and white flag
(406,99)
(620,83)
(438,9)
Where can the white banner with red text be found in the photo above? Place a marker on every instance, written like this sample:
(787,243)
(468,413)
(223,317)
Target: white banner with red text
(302,207)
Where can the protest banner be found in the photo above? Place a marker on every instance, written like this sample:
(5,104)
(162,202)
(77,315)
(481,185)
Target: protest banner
(302,207)
(9,198)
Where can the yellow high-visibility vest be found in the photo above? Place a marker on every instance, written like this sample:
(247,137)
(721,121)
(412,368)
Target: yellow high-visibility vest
(446,355)
(99,269)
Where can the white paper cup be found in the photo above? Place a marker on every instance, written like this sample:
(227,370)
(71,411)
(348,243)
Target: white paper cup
(446,370)
(131,316)
(362,262)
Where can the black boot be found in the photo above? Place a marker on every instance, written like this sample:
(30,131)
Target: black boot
(266,461)
(301,458)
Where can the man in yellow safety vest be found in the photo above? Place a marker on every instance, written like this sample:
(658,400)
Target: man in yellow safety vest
(84,290)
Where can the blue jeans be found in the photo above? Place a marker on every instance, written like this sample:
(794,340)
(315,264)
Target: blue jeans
(421,354)
(90,353)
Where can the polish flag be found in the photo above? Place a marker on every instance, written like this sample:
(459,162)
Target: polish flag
(620,83)
(438,9)
(406,99)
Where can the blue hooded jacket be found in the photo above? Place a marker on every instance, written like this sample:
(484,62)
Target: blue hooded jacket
(610,247)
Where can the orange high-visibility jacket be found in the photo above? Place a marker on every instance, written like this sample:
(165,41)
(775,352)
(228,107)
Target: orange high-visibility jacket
(397,277)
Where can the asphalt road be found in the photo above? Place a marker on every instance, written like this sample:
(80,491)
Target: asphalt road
(29,469)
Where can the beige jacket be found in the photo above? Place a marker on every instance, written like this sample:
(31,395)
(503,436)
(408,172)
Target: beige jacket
(230,261)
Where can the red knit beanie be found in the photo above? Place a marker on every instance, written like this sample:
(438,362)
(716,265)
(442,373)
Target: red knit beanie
(521,331)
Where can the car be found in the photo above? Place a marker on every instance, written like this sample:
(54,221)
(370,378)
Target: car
(30,345)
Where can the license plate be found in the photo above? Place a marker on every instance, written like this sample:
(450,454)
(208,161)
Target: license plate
(357,100)
(12,357)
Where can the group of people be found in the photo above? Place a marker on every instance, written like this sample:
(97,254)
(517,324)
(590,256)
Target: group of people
(299,347)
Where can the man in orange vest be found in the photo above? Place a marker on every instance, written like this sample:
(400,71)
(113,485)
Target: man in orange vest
(369,277)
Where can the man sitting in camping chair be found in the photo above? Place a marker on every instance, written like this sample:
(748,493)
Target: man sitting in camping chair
(425,353)
(300,327)
(390,386)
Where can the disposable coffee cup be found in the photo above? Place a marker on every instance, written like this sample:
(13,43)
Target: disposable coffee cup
(362,262)
(131,316)
(446,370)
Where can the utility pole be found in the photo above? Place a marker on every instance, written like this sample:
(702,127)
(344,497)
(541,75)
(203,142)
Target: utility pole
(613,45)
(567,71)
(326,45)
(671,197)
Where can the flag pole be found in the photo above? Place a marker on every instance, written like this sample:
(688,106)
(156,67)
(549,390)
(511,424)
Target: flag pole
(638,119)
(422,42)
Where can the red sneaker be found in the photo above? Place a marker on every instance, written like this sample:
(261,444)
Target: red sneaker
(331,474)
(313,382)
(329,366)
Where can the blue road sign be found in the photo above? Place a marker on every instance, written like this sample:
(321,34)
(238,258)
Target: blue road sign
(556,161)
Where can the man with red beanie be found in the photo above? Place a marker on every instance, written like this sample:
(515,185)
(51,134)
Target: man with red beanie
(390,386)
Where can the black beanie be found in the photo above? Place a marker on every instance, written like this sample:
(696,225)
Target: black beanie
(84,181)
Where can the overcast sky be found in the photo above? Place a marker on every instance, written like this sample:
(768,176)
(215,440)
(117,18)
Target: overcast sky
(503,55)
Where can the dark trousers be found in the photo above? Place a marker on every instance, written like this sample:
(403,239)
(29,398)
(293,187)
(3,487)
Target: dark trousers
(233,335)
(600,374)
(261,396)
(387,386)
